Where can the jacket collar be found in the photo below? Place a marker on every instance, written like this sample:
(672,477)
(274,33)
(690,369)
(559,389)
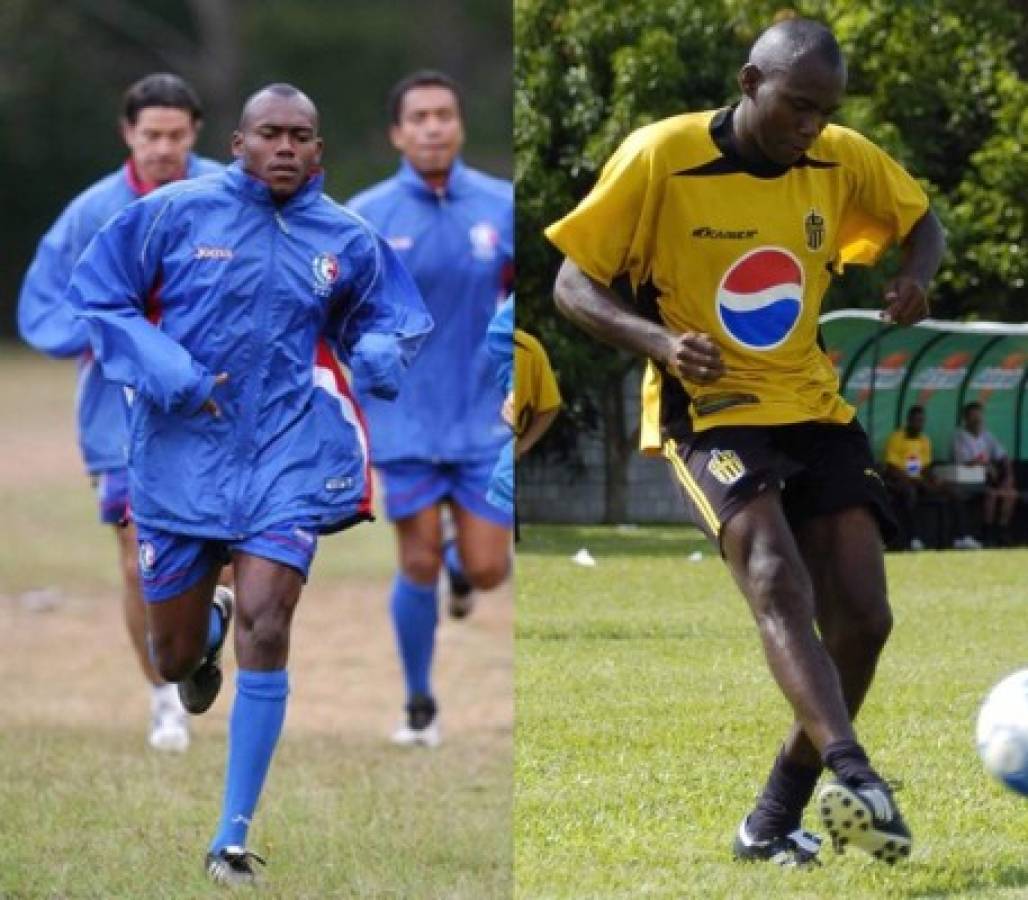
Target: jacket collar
(255,190)
(141,188)
(409,177)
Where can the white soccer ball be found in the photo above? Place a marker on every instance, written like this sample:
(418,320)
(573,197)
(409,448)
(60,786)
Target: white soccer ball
(1003,732)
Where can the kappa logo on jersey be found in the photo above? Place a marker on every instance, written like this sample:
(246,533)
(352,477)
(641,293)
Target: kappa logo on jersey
(760,298)
(147,557)
(400,242)
(326,273)
(484,241)
(725,466)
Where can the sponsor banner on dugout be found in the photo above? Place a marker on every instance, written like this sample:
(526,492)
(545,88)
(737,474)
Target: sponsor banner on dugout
(938,365)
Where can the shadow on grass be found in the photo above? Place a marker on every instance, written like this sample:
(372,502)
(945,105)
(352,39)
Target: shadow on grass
(975,882)
(613,540)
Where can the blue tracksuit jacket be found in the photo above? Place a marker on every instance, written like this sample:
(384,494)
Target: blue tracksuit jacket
(48,323)
(210,276)
(500,344)
(459,246)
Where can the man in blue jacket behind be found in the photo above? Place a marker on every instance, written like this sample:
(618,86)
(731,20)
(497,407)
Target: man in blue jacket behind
(161,117)
(438,443)
(209,298)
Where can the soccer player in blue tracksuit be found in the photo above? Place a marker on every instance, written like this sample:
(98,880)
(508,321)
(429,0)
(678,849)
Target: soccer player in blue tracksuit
(161,117)
(437,444)
(213,299)
(500,344)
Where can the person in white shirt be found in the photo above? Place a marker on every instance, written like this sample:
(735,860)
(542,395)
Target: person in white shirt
(974,445)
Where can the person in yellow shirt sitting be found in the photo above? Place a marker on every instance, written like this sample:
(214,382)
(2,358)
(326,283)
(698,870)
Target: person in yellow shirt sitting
(536,395)
(908,476)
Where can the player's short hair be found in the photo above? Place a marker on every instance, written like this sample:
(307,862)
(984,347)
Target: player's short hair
(422,78)
(914,410)
(793,38)
(970,407)
(161,89)
(278,89)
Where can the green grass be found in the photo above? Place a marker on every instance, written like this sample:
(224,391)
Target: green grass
(90,814)
(646,722)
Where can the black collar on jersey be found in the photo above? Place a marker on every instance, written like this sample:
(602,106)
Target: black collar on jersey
(731,161)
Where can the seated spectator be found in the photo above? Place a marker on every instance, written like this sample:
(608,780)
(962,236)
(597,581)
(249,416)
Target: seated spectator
(974,445)
(908,476)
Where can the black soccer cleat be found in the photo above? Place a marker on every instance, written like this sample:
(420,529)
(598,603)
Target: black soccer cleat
(199,690)
(462,598)
(865,817)
(797,849)
(232,866)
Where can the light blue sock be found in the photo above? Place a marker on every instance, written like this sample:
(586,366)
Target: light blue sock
(415,612)
(253,730)
(213,630)
(451,558)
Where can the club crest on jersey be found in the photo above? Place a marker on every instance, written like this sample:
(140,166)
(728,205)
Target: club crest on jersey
(326,273)
(814,229)
(725,466)
(147,557)
(484,241)
(760,297)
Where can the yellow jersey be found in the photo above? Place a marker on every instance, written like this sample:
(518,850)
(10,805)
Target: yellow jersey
(910,455)
(535,386)
(714,245)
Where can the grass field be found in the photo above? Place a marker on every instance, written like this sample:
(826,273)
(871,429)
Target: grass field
(646,723)
(87,810)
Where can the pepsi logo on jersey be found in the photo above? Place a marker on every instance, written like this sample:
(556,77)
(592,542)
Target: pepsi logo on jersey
(760,298)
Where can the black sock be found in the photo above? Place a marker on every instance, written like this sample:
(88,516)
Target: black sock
(848,760)
(780,805)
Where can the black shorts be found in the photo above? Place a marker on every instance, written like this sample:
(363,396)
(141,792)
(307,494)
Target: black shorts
(819,467)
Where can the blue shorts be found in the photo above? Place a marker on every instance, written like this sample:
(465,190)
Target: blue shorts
(501,483)
(112,494)
(413,485)
(170,563)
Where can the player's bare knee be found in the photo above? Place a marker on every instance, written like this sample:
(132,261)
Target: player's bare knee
(422,566)
(489,574)
(777,591)
(173,659)
(266,635)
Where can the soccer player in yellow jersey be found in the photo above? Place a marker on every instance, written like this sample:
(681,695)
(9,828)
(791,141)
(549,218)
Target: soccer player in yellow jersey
(729,225)
(536,395)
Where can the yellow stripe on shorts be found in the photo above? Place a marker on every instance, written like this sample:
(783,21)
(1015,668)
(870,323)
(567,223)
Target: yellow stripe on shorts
(691,487)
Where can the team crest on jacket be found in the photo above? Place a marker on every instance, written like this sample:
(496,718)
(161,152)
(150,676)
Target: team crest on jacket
(326,273)
(814,229)
(760,297)
(484,241)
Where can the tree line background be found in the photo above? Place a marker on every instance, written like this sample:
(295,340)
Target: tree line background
(64,65)
(938,83)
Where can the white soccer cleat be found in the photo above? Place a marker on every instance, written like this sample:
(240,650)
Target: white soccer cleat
(429,736)
(422,726)
(169,724)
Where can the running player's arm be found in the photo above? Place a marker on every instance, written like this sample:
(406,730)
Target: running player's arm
(906,296)
(600,312)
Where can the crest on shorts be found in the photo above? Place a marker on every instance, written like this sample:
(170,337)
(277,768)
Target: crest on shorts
(814,228)
(147,557)
(326,273)
(725,466)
